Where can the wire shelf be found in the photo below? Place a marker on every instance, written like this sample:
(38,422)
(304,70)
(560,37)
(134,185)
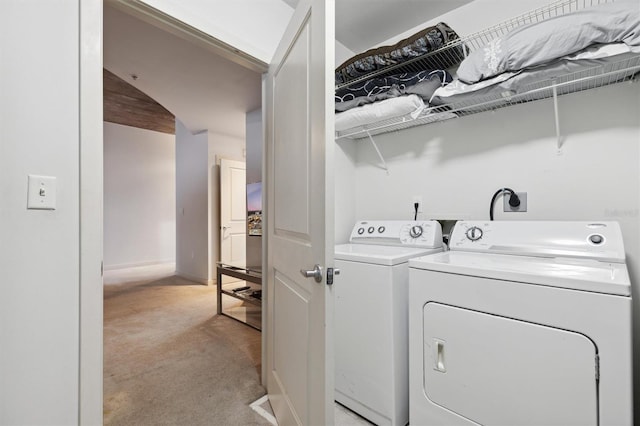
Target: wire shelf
(452,53)
(591,78)
(450,56)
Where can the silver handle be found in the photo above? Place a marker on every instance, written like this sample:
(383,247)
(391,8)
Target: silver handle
(315,273)
(439,357)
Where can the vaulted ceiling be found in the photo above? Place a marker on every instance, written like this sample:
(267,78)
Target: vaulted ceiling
(126,105)
(204,91)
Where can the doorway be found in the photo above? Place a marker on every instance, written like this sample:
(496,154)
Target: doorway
(195,131)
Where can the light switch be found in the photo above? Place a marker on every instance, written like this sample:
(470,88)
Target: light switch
(41,193)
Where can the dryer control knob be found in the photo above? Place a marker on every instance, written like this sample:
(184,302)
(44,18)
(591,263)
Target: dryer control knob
(415,231)
(474,233)
(596,238)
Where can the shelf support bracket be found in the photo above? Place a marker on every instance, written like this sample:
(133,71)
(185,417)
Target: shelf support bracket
(557,118)
(384,163)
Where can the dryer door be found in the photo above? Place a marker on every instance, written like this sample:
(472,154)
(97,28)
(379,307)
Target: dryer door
(495,370)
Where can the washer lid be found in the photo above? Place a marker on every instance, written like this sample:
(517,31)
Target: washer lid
(577,274)
(379,255)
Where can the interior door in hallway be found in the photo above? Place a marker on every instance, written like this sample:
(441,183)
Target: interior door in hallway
(233,212)
(299,173)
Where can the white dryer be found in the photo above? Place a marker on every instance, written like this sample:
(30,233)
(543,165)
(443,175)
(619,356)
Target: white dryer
(522,323)
(371,316)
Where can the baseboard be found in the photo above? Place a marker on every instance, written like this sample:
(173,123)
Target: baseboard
(137,264)
(123,274)
(200,280)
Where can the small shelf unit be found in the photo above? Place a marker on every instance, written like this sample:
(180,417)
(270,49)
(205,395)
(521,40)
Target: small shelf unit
(450,55)
(248,290)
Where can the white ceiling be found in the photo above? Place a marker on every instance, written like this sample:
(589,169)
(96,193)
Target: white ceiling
(253,26)
(208,92)
(361,24)
(204,91)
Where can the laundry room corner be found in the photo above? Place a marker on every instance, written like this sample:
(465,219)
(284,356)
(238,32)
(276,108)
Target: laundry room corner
(457,165)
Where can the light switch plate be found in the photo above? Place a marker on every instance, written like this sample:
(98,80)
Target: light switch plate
(41,193)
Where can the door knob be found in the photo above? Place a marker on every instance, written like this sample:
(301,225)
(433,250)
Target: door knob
(315,273)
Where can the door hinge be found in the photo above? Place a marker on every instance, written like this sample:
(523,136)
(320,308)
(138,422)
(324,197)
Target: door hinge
(597,368)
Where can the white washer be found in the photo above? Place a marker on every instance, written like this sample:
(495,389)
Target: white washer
(371,316)
(522,323)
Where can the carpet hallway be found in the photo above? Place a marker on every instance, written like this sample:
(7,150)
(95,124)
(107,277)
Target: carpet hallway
(170,360)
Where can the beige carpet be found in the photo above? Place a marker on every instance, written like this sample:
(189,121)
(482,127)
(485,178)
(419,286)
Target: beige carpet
(169,360)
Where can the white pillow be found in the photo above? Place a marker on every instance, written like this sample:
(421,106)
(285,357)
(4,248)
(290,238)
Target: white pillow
(542,42)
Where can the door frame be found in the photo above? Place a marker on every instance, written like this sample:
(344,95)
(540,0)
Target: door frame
(168,23)
(90,399)
(91,323)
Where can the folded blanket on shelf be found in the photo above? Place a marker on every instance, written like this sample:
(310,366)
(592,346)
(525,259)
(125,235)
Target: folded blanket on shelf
(424,41)
(422,83)
(542,42)
(380,111)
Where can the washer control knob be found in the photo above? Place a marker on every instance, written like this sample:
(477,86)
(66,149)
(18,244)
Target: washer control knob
(360,231)
(371,229)
(596,239)
(381,229)
(415,231)
(474,233)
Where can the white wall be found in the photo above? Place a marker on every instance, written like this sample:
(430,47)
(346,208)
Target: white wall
(342,53)
(198,199)
(192,210)
(254,141)
(39,249)
(476,16)
(254,145)
(345,189)
(231,148)
(457,165)
(139,197)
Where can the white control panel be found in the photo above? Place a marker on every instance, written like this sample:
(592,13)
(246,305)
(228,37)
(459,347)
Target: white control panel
(588,240)
(420,233)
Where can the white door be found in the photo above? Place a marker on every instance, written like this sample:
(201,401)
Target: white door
(233,212)
(299,137)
